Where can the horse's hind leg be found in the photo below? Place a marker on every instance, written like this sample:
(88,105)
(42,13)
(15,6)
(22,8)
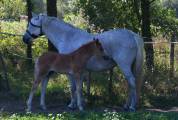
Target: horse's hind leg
(124,61)
(43,92)
(131,102)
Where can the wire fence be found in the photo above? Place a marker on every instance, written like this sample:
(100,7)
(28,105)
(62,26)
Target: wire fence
(161,58)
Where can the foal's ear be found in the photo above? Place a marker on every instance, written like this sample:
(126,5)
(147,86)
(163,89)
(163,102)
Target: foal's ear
(34,14)
(96,40)
(98,44)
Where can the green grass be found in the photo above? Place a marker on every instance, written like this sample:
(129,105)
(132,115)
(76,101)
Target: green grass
(92,116)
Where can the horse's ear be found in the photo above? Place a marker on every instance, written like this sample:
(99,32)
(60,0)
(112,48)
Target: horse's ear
(43,14)
(34,15)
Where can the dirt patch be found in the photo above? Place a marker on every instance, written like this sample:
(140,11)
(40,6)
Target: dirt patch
(11,105)
(173,109)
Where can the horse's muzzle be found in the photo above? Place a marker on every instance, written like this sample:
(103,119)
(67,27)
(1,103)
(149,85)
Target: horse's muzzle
(26,39)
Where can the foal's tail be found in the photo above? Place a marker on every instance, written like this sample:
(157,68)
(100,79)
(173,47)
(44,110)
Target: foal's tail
(138,65)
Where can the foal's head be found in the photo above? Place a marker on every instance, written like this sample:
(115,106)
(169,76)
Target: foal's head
(97,47)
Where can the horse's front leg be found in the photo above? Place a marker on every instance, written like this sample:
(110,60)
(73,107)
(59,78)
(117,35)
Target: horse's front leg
(43,92)
(73,103)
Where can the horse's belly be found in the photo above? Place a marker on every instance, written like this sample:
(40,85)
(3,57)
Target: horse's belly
(99,64)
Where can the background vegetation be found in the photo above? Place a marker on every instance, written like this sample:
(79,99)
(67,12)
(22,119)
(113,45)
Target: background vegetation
(160,88)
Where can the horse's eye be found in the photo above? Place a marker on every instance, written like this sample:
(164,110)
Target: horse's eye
(37,18)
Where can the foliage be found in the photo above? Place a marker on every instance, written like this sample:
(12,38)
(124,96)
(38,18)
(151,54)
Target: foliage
(9,9)
(164,21)
(109,14)
(104,15)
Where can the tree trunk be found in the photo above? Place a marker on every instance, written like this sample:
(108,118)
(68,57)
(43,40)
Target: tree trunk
(51,11)
(136,6)
(29,46)
(110,85)
(146,33)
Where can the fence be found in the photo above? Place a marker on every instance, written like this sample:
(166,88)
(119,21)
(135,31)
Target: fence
(163,58)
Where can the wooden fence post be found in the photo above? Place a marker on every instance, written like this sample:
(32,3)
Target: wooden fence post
(172,46)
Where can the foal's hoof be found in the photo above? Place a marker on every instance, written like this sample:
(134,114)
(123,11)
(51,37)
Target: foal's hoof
(131,109)
(72,106)
(28,110)
(126,107)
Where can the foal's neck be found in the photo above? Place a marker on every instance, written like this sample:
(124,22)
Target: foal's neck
(86,49)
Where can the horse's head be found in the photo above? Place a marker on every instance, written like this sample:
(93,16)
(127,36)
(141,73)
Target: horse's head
(98,49)
(34,28)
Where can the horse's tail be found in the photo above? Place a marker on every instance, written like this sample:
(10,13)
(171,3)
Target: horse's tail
(138,65)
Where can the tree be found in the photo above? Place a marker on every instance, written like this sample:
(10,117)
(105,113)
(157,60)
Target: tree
(109,14)
(29,46)
(51,11)
(146,33)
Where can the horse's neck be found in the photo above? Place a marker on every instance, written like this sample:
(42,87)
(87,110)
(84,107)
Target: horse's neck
(65,37)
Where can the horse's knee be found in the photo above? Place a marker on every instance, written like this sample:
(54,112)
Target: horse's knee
(131,82)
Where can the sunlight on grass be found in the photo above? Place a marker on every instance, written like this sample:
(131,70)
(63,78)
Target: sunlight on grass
(92,116)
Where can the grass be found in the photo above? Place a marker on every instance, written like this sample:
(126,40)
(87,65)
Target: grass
(92,116)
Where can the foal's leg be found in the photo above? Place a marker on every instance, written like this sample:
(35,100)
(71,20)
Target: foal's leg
(79,91)
(34,88)
(43,92)
(73,103)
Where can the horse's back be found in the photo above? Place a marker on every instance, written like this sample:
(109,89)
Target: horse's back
(118,41)
(119,37)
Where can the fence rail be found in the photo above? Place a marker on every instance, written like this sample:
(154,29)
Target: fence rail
(11,34)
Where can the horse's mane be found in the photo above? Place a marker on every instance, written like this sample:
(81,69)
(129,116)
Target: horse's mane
(50,19)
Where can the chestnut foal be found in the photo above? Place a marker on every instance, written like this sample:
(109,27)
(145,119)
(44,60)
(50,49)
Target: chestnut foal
(73,64)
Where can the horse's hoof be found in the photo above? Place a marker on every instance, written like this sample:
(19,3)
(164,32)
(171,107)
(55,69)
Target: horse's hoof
(80,108)
(43,107)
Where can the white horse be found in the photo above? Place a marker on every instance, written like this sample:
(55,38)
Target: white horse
(123,47)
